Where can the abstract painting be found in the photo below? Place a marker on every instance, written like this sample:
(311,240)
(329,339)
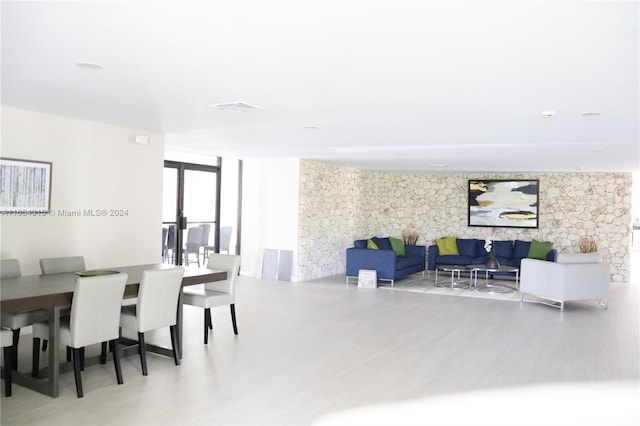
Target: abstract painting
(504,203)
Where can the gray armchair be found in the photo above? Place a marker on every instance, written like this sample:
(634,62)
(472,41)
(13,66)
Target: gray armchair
(574,277)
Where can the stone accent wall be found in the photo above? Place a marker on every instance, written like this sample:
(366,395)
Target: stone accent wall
(328,218)
(340,204)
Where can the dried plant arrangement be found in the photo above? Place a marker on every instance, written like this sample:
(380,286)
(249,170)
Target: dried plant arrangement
(587,245)
(410,237)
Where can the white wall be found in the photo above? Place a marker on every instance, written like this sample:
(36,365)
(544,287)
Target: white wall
(95,166)
(270,193)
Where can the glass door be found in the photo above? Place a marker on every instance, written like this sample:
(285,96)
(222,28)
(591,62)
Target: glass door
(191,212)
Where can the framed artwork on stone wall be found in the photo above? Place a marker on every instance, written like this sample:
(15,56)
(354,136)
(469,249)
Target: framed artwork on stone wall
(511,203)
(25,186)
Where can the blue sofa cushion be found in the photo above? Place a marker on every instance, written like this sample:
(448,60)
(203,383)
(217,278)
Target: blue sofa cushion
(382,243)
(453,259)
(521,249)
(480,251)
(503,249)
(466,247)
(405,262)
(363,244)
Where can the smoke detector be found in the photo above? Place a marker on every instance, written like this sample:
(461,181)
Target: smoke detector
(235,107)
(548,114)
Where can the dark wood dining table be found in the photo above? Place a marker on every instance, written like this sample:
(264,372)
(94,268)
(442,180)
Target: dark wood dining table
(55,292)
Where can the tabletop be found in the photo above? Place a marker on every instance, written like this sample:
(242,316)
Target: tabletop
(40,291)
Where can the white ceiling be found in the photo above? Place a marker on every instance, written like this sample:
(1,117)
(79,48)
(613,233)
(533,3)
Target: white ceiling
(386,85)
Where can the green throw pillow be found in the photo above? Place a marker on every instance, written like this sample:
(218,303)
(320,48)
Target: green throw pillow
(539,249)
(447,246)
(398,246)
(372,245)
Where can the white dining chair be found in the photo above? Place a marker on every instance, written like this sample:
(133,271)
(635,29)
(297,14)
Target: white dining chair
(10,268)
(95,318)
(192,246)
(217,293)
(156,308)
(59,265)
(6,341)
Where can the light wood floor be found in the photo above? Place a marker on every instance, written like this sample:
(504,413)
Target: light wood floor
(308,349)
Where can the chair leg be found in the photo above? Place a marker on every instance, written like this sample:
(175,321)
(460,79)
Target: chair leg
(16,339)
(45,344)
(174,343)
(35,358)
(103,353)
(77,355)
(113,344)
(233,318)
(9,355)
(207,322)
(143,353)
(68,354)
(82,358)
(209,318)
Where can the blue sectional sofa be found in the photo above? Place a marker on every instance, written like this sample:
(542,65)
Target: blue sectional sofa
(389,266)
(472,252)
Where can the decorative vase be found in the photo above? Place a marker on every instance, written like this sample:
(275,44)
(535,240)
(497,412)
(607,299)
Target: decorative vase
(492,263)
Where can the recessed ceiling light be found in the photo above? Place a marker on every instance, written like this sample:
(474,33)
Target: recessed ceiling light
(235,107)
(311,127)
(590,113)
(438,166)
(547,114)
(89,65)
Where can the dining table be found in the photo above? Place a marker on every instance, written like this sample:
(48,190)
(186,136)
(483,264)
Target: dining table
(54,292)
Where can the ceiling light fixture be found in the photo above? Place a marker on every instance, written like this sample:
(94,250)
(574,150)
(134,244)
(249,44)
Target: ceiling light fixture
(235,107)
(590,113)
(548,114)
(89,65)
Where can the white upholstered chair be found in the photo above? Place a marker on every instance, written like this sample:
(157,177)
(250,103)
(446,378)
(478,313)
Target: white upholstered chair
(217,293)
(574,277)
(156,308)
(10,268)
(95,318)
(57,265)
(6,341)
(192,246)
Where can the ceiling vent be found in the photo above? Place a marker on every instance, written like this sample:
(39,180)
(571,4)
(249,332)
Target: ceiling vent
(235,107)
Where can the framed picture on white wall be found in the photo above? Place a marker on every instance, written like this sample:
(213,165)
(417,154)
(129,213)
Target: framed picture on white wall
(25,186)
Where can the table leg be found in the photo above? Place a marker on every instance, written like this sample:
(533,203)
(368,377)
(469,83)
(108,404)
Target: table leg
(51,386)
(54,351)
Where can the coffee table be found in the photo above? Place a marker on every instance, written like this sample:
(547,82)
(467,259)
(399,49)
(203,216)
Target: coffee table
(493,288)
(455,270)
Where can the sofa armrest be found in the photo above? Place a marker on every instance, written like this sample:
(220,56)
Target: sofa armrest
(433,253)
(382,261)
